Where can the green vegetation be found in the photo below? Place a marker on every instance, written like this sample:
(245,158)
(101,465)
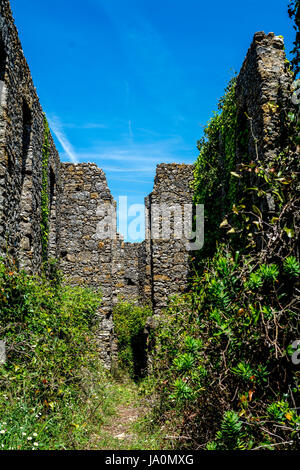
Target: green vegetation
(214,184)
(294,13)
(129,323)
(223,351)
(54,392)
(126,425)
(52,385)
(222,375)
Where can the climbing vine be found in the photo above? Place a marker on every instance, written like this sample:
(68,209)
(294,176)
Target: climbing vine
(45,192)
(214,184)
(294,14)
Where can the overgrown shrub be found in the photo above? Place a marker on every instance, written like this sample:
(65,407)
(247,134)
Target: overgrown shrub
(223,350)
(52,377)
(240,389)
(129,322)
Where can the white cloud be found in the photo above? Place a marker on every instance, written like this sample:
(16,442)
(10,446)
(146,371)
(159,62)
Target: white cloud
(128,170)
(127,156)
(88,126)
(130,153)
(57,129)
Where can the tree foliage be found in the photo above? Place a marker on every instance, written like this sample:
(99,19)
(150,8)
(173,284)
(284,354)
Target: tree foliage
(294,13)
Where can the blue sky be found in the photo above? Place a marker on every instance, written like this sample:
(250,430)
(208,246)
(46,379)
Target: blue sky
(128,84)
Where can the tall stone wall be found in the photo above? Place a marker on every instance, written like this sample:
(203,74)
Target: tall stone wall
(87,235)
(85,204)
(145,269)
(131,272)
(169,258)
(264,96)
(126,271)
(21,143)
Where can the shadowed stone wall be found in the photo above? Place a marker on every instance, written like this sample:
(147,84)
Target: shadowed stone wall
(21,142)
(86,258)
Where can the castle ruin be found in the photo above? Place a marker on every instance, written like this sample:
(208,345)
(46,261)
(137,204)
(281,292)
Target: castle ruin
(78,195)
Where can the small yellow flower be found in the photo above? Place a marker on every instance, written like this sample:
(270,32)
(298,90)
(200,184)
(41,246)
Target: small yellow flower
(288,416)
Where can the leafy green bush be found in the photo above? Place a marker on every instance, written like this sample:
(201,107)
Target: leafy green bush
(52,375)
(269,273)
(243,305)
(182,392)
(291,267)
(129,322)
(184,362)
(224,345)
(230,437)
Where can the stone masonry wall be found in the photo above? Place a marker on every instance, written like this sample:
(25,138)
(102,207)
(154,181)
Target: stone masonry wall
(126,273)
(169,258)
(21,142)
(263,93)
(148,271)
(86,258)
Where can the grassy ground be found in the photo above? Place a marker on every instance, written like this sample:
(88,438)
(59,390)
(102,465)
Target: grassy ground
(126,423)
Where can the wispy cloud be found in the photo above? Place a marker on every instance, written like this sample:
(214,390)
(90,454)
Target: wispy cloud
(128,170)
(130,132)
(131,158)
(87,126)
(57,129)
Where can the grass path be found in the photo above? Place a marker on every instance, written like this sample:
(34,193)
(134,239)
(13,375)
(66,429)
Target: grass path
(126,425)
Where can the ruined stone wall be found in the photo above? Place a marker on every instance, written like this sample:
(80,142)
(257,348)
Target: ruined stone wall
(263,92)
(80,203)
(145,271)
(169,258)
(21,142)
(85,204)
(131,272)
(263,95)
(126,273)
(87,235)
